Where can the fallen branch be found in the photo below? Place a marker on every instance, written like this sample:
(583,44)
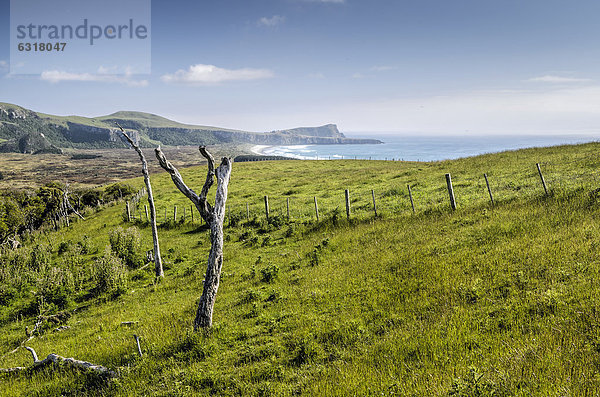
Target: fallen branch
(56,359)
(55,318)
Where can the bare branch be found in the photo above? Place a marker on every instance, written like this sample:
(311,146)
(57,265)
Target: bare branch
(35,357)
(203,206)
(211,171)
(67,204)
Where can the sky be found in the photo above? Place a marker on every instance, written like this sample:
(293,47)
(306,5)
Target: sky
(369,66)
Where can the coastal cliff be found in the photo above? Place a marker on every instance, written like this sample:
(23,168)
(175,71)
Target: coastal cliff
(26,131)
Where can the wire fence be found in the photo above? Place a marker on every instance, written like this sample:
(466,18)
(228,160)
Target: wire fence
(360,201)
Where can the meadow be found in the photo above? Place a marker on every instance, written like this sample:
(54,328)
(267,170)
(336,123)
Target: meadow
(487,300)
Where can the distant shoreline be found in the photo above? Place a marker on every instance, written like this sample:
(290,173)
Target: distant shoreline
(259,149)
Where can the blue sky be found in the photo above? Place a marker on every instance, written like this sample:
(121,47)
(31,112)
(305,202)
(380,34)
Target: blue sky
(420,66)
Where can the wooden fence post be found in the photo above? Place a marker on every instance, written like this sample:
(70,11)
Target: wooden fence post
(374,205)
(488,188)
(174,213)
(542,178)
(128,211)
(450,191)
(288,207)
(267,207)
(347,196)
(316,209)
(412,203)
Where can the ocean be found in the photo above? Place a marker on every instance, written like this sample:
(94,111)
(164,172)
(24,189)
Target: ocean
(422,148)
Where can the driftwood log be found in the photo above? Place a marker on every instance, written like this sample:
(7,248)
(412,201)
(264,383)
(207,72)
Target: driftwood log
(214,217)
(158,267)
(56,359)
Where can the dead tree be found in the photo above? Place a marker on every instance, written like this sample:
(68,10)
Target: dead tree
(66,206)
(158,268)
(213,216)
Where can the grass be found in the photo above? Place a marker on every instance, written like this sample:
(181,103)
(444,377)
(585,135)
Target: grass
(481,301)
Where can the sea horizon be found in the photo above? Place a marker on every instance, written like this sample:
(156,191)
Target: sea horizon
(422,147)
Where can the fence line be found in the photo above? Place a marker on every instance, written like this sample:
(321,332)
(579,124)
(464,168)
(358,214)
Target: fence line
(296,208)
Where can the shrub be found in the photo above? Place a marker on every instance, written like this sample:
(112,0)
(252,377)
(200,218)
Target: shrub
(40,257)
(269,273)
(55,285)
(64,247)
(110,274)
(91,198)
(127,245)
(117,191)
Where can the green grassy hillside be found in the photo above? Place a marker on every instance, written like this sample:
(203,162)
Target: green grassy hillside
(487,300)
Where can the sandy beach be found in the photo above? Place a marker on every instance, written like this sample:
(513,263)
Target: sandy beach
(259,149)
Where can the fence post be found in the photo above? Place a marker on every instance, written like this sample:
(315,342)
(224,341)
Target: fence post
(412,203)
(288,207)
(450,191)
(146,209)
(267,207)
(374,205)
(347,196)
(488,188)
(174,213)
(316,209)
(542,178)
(128,211)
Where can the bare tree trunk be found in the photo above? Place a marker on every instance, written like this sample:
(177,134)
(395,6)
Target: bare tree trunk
(158,267)
(66,205)
(214,217)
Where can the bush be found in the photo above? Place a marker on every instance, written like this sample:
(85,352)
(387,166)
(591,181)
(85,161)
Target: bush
(91,198)
(269,273)
(117,191)
(110,274)
(64,247)
(127,245)
(55,285)
(40,257)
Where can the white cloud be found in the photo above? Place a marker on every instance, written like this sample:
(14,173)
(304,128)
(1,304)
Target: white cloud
(384,68)
(210,74)
(102,76)
(557,79)
(271,22)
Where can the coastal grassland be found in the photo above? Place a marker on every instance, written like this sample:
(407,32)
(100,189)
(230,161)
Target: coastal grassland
(481,301)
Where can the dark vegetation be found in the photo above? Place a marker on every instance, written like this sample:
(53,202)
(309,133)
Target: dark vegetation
(23,212)
(250,157)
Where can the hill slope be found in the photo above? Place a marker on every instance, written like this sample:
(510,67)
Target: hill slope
(485,300)
(148,129)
